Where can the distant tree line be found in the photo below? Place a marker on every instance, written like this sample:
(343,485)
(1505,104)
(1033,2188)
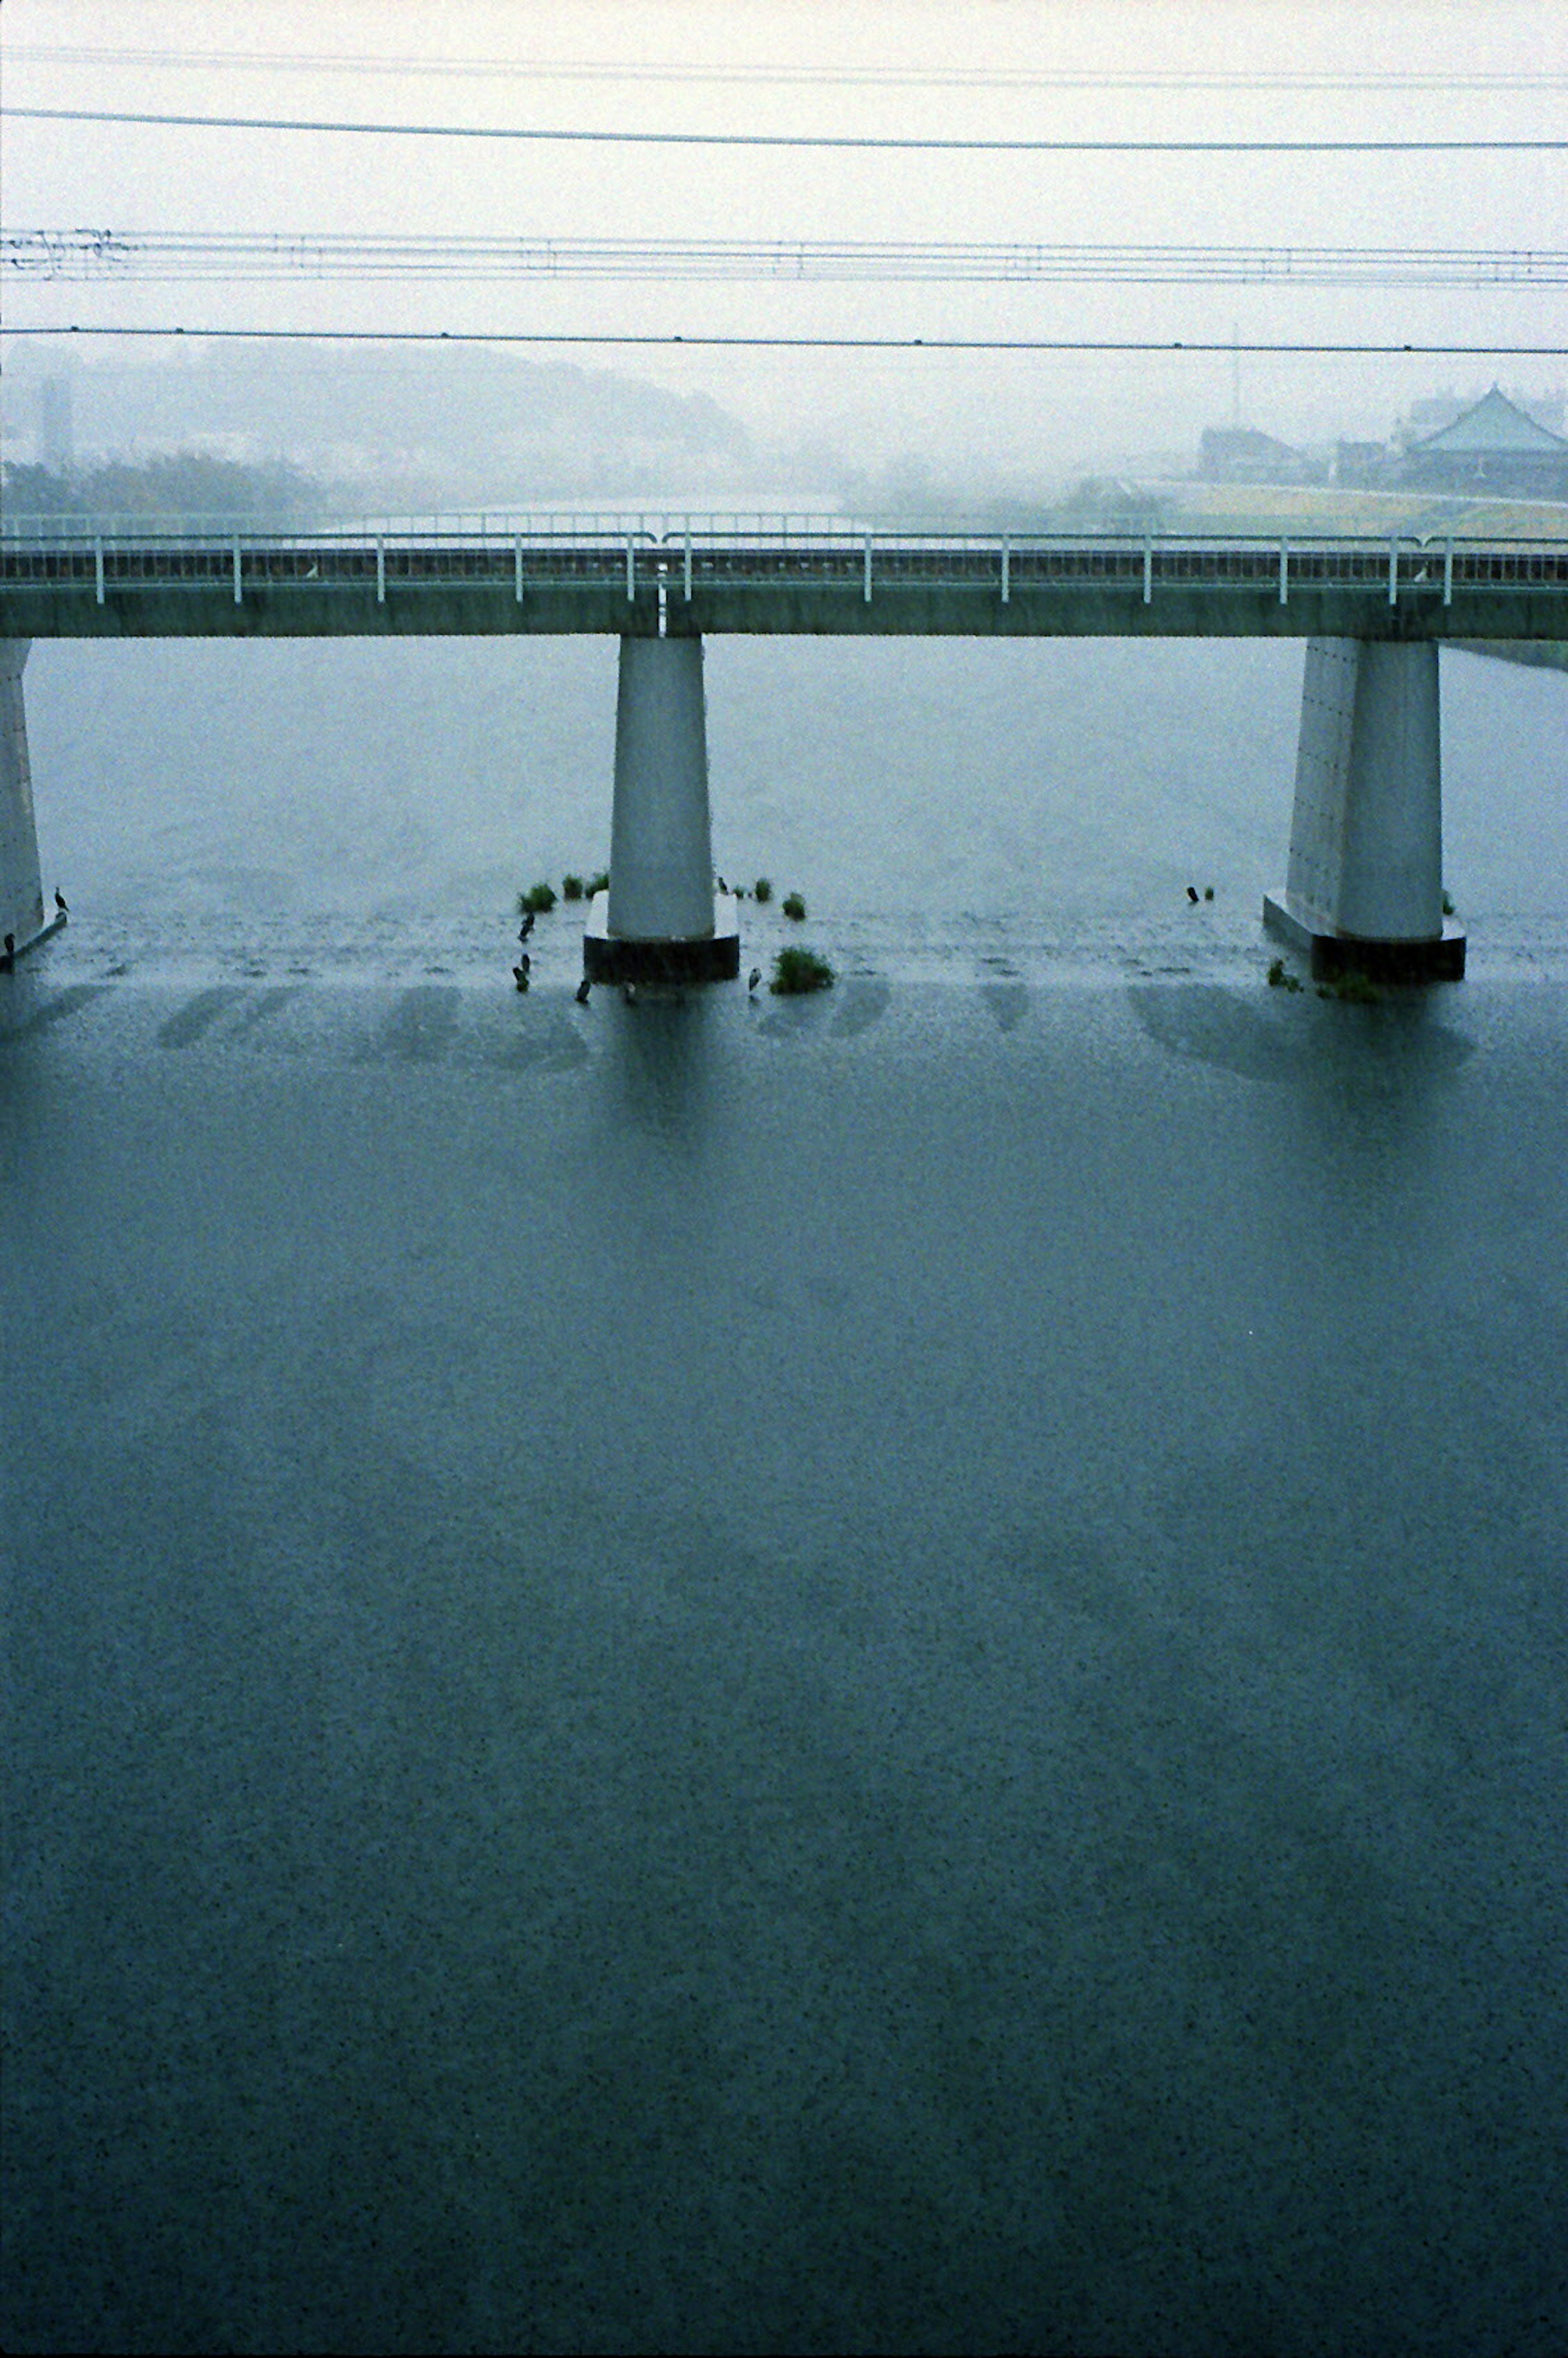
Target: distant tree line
(180,482)
(907,489)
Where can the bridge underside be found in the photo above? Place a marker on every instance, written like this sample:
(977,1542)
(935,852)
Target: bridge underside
(895,610)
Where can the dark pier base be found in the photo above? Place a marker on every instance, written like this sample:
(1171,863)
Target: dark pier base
(1331,955)
(711,957)
(34,941)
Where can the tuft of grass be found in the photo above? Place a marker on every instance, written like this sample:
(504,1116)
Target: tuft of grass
(571,888)
(599,881)
(1448,904)
(794,906)
(1208,892)
(1280,978)
(798,970)
(539,898)
(762,889)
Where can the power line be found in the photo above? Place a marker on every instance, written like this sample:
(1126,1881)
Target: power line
(808,343)
(95,255)
(812,77)
(810,139)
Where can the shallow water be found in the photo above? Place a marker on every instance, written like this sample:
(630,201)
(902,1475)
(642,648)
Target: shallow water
(887,1672)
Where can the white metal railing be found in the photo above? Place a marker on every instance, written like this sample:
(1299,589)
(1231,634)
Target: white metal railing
(499,528)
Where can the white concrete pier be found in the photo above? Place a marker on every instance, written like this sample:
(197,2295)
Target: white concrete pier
(22,913)
(1364,887)
(661,921)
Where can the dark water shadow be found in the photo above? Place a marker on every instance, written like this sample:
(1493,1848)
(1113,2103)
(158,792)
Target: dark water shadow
(261,1007)
(794,1019)
(864,1001)
(544,1040)
(661,1063)
(1006,1003)
(1302,1038)
(199,1015)
(64,1004)
(421,1029)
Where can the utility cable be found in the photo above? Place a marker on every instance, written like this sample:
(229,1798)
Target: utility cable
(859,142)
(1230,347)
(1076,78)
(55,254)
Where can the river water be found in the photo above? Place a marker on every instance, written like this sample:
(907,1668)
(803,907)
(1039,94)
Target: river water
(885,1671)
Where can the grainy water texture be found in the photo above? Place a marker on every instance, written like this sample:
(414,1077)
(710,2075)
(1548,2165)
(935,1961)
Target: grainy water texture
(878,1673)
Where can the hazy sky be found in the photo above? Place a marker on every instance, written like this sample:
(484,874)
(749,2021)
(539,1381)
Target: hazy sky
(406,61)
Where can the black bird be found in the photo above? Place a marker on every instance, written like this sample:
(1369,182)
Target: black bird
(1192,891)
(9,960)
(754,977)
(60,902)
(526,927)
(582,990)
(520,975)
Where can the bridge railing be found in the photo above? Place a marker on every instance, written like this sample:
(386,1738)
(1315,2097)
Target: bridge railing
(739,550)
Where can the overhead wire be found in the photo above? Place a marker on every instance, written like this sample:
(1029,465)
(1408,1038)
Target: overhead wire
(57,255)
(943,77)
(1230,346)
(859,142)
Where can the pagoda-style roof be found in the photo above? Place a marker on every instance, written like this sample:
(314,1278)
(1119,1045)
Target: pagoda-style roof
(1494,425)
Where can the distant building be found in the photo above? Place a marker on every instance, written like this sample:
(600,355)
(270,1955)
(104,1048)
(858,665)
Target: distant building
(1493,448)
(1241,454)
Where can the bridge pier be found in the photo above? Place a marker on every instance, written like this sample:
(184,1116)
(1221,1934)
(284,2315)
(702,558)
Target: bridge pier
(661,920)
(21,888)
(1364,887)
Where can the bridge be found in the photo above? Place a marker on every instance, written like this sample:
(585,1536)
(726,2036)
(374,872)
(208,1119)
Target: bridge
(1364,885)
(650,575)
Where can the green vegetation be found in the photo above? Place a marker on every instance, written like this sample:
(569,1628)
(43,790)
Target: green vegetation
(798,970)
(1208,892)
(571,888)
(1103,503)
(599,881)
(762,889)
(1448,904)
(539,899)
(1280,978)
(181,483)
(794,906)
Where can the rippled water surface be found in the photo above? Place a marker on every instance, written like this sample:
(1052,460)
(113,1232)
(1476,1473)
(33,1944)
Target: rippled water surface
(886,1671)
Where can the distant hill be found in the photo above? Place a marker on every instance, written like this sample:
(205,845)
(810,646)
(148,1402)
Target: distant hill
(463,426)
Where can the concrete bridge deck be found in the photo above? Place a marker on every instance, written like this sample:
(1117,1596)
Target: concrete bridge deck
(630,576)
